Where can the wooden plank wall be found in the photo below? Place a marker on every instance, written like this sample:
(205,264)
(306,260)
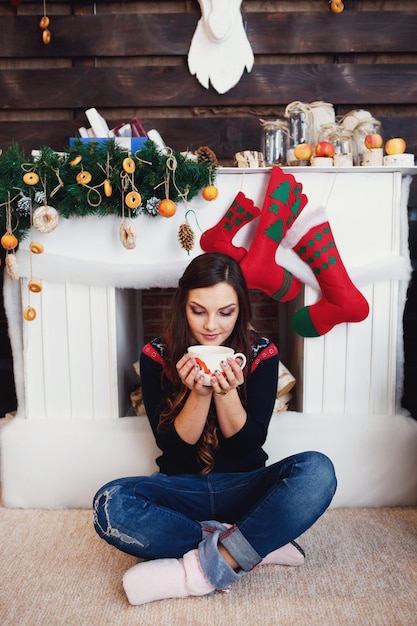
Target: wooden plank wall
(130,59)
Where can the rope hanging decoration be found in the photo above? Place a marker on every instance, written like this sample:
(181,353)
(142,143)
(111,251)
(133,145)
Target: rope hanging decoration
(130,199)
(44,23)
(167,207)
(9,242)
(89,179)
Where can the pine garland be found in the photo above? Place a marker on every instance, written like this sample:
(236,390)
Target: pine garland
(156,176)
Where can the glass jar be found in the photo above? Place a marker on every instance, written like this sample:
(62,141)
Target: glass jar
(326,131)
(299,119)
(274,141)
(368,126)
(322,114)
(342,140)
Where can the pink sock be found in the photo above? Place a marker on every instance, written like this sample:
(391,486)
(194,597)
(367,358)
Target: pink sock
(166,578)
(289,554)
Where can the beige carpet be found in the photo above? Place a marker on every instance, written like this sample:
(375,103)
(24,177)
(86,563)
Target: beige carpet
(361,569)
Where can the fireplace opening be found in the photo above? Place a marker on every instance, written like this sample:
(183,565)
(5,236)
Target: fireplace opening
(142,315)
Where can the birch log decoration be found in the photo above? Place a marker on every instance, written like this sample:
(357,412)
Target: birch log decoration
(220,50)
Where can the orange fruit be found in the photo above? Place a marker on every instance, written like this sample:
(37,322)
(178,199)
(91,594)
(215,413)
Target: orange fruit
(210,193)
(167,208)
(9,241)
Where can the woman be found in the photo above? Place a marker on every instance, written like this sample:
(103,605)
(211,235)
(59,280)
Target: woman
(214,511)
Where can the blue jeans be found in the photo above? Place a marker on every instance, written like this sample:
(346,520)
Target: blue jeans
(163,516)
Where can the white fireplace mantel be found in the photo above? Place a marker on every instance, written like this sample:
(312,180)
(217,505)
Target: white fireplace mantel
(73,363)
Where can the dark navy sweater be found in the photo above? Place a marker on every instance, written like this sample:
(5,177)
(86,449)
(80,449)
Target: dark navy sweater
(240,453)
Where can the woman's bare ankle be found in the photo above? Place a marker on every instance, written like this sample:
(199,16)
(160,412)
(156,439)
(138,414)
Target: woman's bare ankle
(226,556)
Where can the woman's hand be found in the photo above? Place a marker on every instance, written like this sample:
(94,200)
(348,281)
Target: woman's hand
(230,378)
(189,372)
(230,412)
(191,420)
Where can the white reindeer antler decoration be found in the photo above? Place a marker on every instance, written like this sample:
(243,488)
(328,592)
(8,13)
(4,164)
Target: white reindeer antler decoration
(220,50)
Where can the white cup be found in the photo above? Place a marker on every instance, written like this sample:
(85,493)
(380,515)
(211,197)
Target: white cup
(209,359)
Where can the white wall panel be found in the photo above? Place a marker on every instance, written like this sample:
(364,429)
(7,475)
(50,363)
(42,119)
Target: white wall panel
(384,349)
(358,359)
(80,375)
(70,352)
(33,356)
(334,374)
(103,352)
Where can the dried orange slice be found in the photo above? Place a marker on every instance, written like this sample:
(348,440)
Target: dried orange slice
(133,199)
(83,177)
(30,178)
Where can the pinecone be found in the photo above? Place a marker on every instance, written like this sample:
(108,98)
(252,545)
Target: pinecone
(23,206)
(186,236)
(206,155)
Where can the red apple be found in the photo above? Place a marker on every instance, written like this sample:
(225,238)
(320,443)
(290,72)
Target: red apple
(396,145)
(303,151)
(374,140)
(324,149)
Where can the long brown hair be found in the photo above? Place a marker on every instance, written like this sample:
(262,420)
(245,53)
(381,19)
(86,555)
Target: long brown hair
(206,270)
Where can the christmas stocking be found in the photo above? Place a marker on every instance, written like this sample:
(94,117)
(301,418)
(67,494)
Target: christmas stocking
(283,202)
(341,301)
(219,238)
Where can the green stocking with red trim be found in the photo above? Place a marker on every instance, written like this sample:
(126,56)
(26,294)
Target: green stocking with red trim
(341,301)
(283,203)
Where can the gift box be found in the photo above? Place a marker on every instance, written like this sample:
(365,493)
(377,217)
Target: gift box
(129,143)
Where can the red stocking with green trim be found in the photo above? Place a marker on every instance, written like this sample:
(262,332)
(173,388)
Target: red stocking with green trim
(219,237)
(341,301)
(283,203)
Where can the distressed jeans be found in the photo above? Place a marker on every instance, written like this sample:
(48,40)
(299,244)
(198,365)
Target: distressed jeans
(161,516)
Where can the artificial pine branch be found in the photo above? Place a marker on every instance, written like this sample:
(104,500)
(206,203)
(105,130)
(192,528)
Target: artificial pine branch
(155,172)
